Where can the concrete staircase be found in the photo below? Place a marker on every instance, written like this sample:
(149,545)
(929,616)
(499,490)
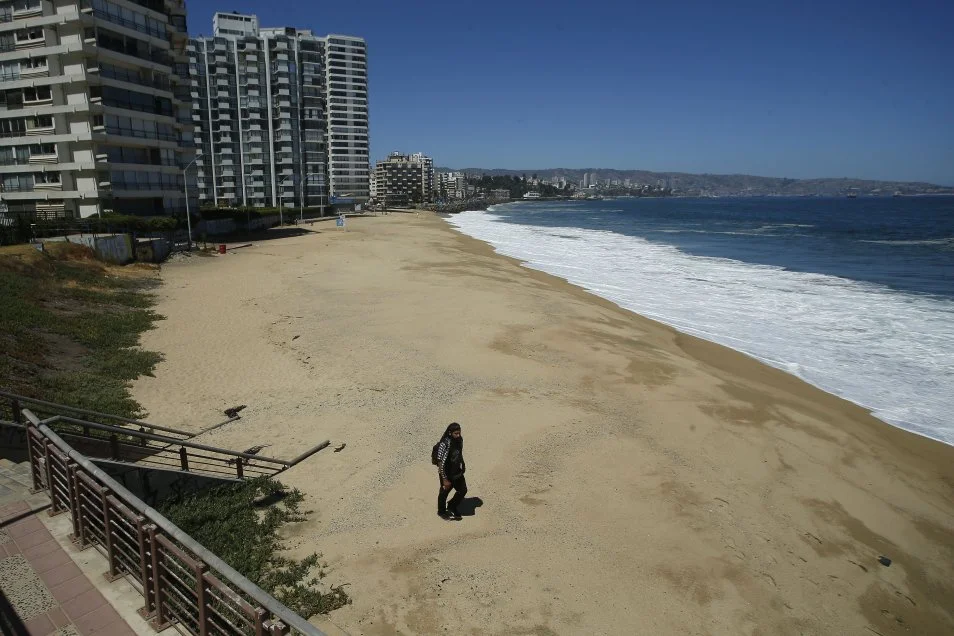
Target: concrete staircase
(46,586)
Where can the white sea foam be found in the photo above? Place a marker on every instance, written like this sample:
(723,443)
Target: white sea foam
(889,351)
(941,241)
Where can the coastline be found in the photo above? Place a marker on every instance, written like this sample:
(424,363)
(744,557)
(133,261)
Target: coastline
(730,494)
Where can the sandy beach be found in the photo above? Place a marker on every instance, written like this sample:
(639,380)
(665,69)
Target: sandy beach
(624,478)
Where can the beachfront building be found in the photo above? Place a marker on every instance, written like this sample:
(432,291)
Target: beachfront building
(94,107)
(281,115)
(402,179)
(450,185)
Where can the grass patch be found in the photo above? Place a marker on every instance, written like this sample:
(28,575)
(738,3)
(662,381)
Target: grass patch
(236,524)
(69,329)
(70,326)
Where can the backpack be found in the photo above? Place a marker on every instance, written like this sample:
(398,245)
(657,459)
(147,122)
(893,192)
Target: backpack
(434,451)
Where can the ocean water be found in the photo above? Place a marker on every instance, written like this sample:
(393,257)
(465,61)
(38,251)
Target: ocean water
(855,296)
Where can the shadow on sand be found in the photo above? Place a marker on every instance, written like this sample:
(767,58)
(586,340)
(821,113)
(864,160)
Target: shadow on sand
(468,507)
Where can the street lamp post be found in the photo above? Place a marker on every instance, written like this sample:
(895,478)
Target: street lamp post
(301,200)
(281,210)
(185,182)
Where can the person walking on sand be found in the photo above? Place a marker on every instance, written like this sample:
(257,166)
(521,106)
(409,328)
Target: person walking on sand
(450,470)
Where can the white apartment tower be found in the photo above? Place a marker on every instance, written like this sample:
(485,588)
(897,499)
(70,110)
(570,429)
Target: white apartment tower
(346,83)
(94,107)
(279,121)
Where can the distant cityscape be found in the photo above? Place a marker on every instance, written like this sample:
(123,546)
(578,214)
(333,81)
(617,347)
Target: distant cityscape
(110,107)
(410,179)
(585,182)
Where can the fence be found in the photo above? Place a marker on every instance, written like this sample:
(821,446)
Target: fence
(183,585)
(148,445)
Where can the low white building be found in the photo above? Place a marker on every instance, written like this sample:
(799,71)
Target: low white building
(451,185)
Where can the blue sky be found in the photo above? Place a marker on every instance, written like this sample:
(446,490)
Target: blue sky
(795,89)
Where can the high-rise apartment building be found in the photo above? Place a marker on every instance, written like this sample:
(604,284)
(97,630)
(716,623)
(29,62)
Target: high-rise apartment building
(94,107)
(346,83)
(281,115)
(402,179)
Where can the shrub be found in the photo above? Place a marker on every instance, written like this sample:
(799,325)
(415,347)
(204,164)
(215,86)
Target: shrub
(236,524)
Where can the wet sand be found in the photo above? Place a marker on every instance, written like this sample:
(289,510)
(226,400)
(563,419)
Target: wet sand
(624,478)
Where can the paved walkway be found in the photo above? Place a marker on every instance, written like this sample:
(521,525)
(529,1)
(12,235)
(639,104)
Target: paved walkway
(38,578)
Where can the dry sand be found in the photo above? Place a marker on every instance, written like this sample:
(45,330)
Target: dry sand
(633,480)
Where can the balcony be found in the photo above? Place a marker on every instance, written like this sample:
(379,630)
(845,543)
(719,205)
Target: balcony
(40,130)
(38,71)
(50,157)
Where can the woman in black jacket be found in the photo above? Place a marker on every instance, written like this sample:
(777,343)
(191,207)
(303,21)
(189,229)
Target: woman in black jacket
(450,469)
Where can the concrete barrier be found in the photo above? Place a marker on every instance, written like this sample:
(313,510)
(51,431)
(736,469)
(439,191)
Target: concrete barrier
(112,248)
(152,250)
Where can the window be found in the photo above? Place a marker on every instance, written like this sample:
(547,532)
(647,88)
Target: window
(43,121)
(26,5)
(43,149)
(12,127)
(46,177)
(10,71)
(26,35)
(17,183)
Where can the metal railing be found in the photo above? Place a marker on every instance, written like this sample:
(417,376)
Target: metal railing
(153,27)
(134,77)
(16,187)
(12,403)
(149,445)
(183,585)
(123,131)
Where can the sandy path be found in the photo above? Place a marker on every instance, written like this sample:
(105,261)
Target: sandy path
(633,480)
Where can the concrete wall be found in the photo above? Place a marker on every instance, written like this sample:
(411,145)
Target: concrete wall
(212,227)
(113,248)
(215,226)
(268,221)
(154,250)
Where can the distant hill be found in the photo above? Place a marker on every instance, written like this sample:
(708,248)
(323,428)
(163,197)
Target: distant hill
(726,184)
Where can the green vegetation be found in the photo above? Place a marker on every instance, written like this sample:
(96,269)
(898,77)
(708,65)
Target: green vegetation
(69,327)
(243,214)
(237,524)
(25,228)
(518,186)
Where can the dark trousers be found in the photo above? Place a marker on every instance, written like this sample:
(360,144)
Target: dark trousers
(460,489)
